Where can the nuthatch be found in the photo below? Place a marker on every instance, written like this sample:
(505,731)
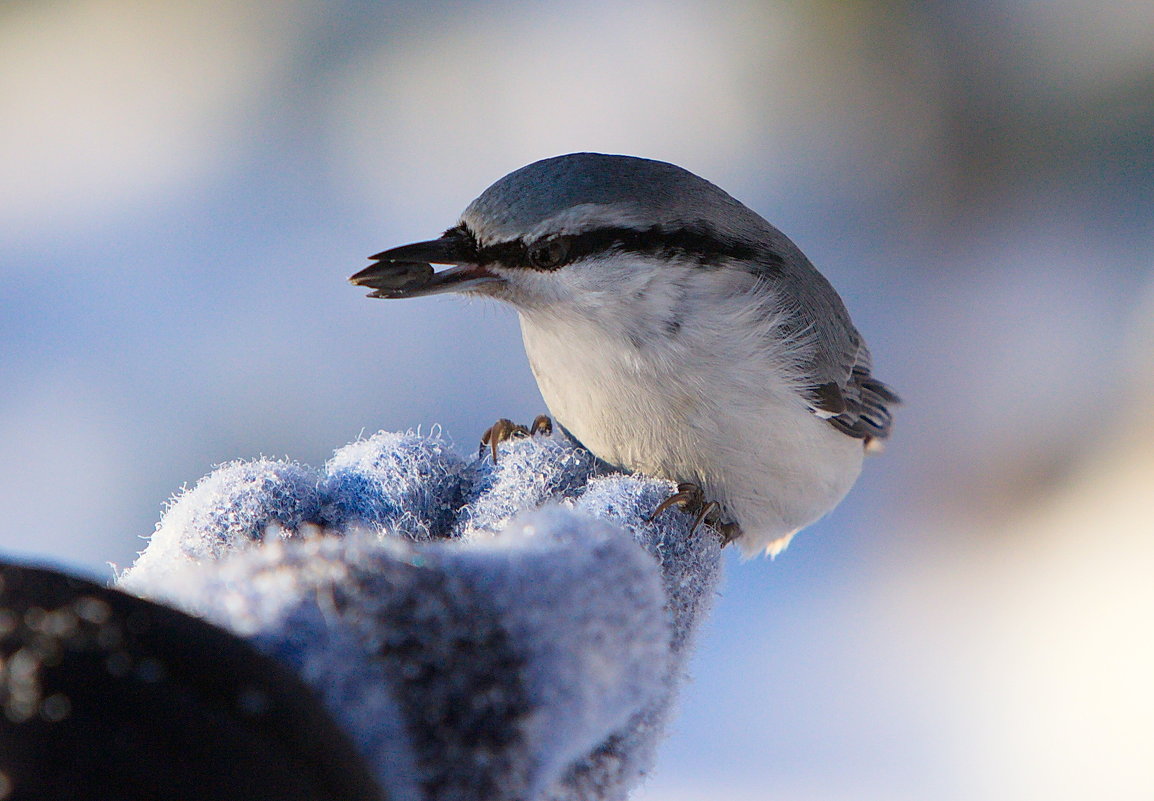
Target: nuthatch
(672,331)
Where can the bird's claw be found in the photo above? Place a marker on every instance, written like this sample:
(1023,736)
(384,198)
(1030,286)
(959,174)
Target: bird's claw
(691,498)
(500,431)
(688,496)
(728,532)
(505,429)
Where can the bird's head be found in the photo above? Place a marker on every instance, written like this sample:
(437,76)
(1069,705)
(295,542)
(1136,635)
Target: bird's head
(575,225)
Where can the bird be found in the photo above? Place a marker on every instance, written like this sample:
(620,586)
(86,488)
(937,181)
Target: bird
(672,331)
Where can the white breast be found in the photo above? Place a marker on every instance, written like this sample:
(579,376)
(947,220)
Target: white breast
(678,374)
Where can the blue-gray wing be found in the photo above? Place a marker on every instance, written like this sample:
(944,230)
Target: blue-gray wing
(836,360)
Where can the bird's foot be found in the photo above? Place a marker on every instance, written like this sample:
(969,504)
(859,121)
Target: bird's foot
(691,498)
(505,429)
(729,532)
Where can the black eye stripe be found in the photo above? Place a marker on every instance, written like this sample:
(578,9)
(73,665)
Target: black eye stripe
(696,243)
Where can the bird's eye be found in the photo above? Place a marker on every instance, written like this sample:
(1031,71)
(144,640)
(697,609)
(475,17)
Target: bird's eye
(549,254)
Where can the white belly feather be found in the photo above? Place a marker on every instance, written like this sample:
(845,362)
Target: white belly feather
(697,404)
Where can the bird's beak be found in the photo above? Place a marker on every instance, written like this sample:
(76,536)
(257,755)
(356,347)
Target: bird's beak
(407,271)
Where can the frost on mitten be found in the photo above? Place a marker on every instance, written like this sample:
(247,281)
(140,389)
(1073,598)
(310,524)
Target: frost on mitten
(514,630)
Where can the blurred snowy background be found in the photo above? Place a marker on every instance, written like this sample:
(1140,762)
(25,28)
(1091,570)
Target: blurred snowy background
(185,186)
